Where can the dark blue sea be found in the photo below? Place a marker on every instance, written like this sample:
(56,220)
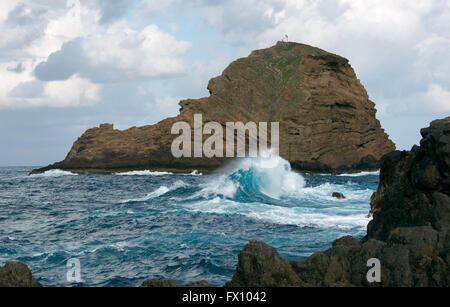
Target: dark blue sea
(131,227)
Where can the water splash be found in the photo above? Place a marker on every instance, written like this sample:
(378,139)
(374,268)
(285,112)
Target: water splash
(268,174)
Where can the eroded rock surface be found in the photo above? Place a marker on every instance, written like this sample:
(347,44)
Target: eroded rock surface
(261,265)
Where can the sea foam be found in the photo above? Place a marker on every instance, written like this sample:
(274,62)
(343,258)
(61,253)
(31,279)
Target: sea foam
(54,173)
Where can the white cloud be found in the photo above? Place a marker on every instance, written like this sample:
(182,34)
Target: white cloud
(72,92)
(438,97)
(105,48)
(157,6)
(146,53)
(432,63)
(167,103)
(75,91)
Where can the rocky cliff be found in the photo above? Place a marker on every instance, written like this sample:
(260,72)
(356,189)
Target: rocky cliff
(327,122)
(409,233)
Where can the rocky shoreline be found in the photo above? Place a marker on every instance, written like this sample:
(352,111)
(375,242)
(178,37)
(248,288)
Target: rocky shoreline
(409,233)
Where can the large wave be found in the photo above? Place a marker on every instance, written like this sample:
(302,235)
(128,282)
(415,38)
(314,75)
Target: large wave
(252,179)
(271,176)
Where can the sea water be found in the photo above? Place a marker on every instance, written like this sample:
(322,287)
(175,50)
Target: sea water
(130,227)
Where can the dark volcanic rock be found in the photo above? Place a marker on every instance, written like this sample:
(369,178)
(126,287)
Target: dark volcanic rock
(329,268)
(409,233)
(16,274)
(414,186)
(260,265)
(338,195)
(158,283)
(327,122)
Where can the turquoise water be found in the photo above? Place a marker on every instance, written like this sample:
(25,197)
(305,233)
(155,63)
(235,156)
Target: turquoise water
(127,228)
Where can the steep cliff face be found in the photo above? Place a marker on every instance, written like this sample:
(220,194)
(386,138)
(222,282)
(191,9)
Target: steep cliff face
(414,186)
(409,233)
(327,122)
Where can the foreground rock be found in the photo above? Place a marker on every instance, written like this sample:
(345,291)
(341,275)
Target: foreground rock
(409,233)
(327,122)
(16,274)
(261,265)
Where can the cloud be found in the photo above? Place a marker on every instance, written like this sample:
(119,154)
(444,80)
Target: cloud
(18,68)
(62,64)
(75,91)
(149,53)
(22,15)
(438,97)
(28,89)
(113,10)
(19,28)
(67,52)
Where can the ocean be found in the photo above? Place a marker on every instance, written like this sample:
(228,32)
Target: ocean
(131,227)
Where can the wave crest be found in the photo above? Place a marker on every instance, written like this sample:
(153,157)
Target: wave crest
(268,175)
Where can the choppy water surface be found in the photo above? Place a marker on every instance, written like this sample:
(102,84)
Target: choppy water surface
(127,228)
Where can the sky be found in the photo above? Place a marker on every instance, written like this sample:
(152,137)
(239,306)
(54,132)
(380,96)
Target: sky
(66,66)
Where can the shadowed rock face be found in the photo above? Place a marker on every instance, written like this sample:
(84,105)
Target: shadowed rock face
(327,122)
(16,274)
(261,265)
(409,233)
(415,186)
